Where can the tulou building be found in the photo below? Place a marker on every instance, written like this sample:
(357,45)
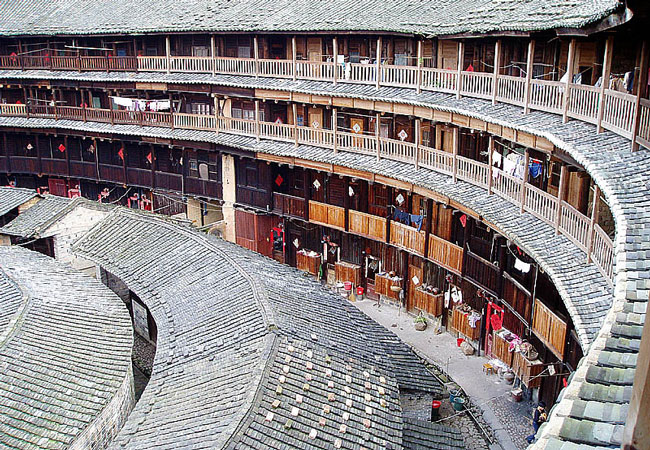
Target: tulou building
(481,163)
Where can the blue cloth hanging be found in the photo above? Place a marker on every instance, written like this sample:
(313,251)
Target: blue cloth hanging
(416,219)
(535,169)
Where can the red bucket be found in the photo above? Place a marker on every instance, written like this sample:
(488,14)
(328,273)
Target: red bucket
(359,290)
(460,341)
(347,285)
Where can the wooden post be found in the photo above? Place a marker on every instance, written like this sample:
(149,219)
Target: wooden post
(38,154)
(418,141)
(496,70)
(419,80)
(295,124)
(525,180)
(335,54)
(83,105)
(257,120)
(213,55)
(335,126)
(456,144)
(168,53)
(56,116)
(490,163)
(459,72)
(6,150)
(26,100)
(378,74)
(529,74)
(153,167)
(216,114)
(346,203)
(607,66)
(293,56)
(560,198)
(594,220)
(643,82)
(569,80)
(256,54)
(377,139)
(171,111)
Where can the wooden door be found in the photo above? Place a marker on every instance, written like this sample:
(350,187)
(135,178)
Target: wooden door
(315,117)
(314,49)
(415,280)
(356,126)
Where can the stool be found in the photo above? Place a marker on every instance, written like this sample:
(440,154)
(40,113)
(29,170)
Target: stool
(488,369)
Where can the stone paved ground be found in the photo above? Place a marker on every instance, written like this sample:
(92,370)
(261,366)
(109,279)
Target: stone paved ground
(140,381)
(143,354)
(507,421)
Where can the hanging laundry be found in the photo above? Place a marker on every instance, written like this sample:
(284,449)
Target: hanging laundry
(628,80)
(522,266)
(535,168)
(473,318)
(496,159)
(417,220)
(401,216)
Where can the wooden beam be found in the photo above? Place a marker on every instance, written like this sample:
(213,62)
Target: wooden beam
(496,70)
(529,74)
(642,85)
(419,65)
(293,56)
(569,79)
(459,71)
(607,67)
(524,181)
(216,114)
(490,164)
(256,54)
(418,141)
(213,54)
(595,212)
(295,123)
(377,139)
(378,74)
(335,51)
(257,120)
(455,144)
(334,128)
(168,51)
(560,198)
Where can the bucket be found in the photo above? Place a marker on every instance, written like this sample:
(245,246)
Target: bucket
(347,285)
(459,403)
(453,393)
(435,409)
(459,341)
(359,290)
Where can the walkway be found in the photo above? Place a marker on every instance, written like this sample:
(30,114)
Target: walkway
(508,420)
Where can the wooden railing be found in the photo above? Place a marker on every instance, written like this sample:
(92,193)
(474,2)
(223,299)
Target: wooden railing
(289,205)
(481,271)
(573,224)
(407,237)
(328,215)
(582,102)
(367,225)
(550,329)
(445,254)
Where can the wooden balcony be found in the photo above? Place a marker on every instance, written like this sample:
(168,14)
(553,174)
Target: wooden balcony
(169,181)
(550,329)
(328,215)
(51,166)
(212,189)
(482,272)
(112,173)
(407,237)
(83,169)
(289,205)
(138,177)
(445,254)
(367,225)
(24,164)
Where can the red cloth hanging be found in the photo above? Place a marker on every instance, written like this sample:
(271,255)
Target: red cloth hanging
(150,158)
(463,220)
(61,148)
(120,153)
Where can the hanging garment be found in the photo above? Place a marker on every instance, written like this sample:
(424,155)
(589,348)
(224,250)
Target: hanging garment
(473,318)
(496,159)
(401,216)
(628,80)
(509,166)
(417,220)
(522,266)
(535,168)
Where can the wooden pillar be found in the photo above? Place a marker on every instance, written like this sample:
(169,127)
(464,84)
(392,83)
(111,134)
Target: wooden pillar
(216,114)
(529,74)
(293,56)
(594,220)
(378,74)
(256,54)
(459,71)
(496,70)
(168,53)
(490,164)
(295,124)
(607,66)
(642,84)
(83,105)
(419,65)
(346,203)
(153,167)
(171,111)
(525,180)
(335,127)
(456,144)
(377,139)
(335,51)
(560,198)
(569,80)
(213,54)
(418,141)
(26,100)
(257,120)
(306,193)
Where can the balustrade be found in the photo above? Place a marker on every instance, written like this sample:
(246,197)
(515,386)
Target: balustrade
(618,113)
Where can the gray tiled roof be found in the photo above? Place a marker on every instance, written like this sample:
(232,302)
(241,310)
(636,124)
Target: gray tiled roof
(420,435)
(11,198)
(65,355)
(38,17)
(226,318)
(31,221)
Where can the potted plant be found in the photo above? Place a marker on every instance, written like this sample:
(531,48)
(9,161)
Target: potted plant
(420,322)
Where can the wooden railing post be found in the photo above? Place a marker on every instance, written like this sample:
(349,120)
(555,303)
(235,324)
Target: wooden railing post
(257,120)
(79,61)
(171,112)
(456,144)
(56,116)
(335,54)
(168,51)
(496,70)
(524,181)
(490,164)
(459,71)
(293,56)
(295,123)
(418,141)
(529,74)
(594,220)
(641,86)
(560,198)
(377,138)
(213,54)
(378,83)
(216,113)
(256,54)
(607,66)
(83,105)
(335,127)
(566,98)
(419,65)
